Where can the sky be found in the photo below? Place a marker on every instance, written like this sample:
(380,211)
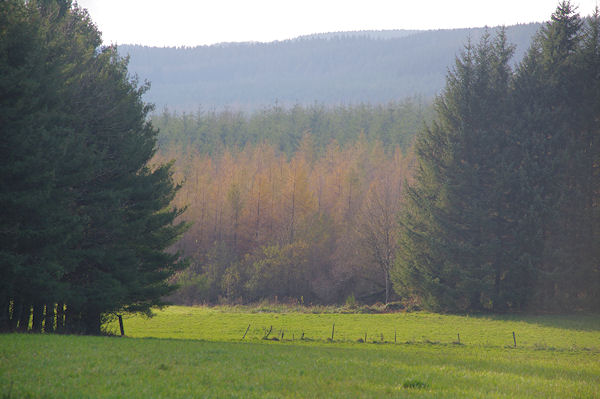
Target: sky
(204,22)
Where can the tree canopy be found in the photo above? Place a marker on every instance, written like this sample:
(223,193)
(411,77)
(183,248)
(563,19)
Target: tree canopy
(503,213)
(85,219)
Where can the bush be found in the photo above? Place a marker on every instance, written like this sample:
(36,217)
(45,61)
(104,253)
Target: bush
(351,301)
(414,384)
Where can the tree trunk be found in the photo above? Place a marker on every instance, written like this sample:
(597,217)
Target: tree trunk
(72,322)
(49,318)
(60,318)
(92,322)
(257,225)
(75,320)
(496,302)
(4,314)
(293,211)
(38,317)
(387,287)
(14,315)
(24,317)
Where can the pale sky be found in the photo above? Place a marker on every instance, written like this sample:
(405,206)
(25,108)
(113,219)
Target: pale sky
(191,23)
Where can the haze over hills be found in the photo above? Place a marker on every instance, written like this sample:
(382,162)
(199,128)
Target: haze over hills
(330,68)
(375,34)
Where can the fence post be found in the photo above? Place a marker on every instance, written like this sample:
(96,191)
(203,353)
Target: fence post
(121,325)
(246,332)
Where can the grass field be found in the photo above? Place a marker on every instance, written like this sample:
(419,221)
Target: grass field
(198,352)
(229,324)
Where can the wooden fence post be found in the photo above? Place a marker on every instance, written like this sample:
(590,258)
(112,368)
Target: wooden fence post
(246,332)
(121,325)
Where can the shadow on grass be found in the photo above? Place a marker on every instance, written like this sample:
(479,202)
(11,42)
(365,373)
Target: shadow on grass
(516,363)
(576,321)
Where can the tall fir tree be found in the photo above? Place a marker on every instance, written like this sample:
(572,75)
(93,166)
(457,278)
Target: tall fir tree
(556,100)
(460,246)
(88,221)
(36,224)
(504,212)
(589,173)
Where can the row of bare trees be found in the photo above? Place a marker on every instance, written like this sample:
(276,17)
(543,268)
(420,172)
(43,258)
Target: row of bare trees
(318,226)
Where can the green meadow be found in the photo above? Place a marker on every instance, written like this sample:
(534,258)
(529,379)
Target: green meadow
(196,352)
(230,323)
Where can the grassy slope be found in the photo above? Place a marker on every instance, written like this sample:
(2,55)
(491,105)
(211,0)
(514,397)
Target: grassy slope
(38,366)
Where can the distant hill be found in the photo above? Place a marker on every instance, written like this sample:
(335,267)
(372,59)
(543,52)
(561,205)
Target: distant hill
(374,34)
(331,68)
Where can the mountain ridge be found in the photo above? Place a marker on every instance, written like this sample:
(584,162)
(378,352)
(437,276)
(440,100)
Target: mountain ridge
(326,68)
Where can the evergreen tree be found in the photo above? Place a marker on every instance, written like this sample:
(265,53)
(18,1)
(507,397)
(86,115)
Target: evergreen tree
(556,98)
(460,243)
(589,172)
(88,220)
(505,205)
(36,224)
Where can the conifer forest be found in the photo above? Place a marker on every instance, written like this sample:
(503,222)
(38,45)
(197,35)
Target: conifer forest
(481,195)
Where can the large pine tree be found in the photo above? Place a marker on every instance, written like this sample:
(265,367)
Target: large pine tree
(87,219)
(466,242)
(556,95)
(504,210)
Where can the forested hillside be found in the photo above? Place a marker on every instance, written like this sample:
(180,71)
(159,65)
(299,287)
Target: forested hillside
(344,68)
(393,124)
(296,202)
(494,206)
(315,170)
